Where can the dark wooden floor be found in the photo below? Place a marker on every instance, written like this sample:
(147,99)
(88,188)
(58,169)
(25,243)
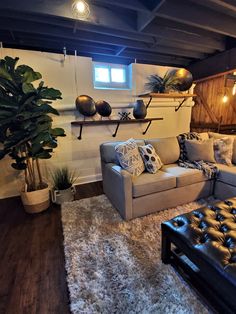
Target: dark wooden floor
(32,271)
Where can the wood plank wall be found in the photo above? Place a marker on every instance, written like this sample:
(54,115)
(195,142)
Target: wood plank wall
(209,111)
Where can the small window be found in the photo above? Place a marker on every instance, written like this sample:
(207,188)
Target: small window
(111,76)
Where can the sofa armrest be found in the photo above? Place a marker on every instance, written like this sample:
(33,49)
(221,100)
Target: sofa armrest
(117,185)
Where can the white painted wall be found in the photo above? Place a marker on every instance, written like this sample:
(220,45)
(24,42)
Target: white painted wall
(84,155)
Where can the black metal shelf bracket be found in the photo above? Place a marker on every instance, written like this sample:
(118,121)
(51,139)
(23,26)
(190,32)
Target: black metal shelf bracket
(117,127)
(80,132)
(149,102)
(180,105)
(148,126)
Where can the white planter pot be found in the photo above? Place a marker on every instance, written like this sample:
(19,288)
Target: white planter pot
(36,201)
(61,196)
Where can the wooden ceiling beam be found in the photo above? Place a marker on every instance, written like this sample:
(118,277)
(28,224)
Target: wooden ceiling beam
(65,34)
(196,15)
(104,53)
(145,18)
(185,37)
(225,6)
(220,63)
(153,34)
(135,5)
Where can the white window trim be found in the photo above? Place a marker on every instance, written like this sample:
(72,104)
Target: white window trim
(112,85)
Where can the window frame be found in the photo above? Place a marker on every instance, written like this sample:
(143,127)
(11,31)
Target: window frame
(112,85)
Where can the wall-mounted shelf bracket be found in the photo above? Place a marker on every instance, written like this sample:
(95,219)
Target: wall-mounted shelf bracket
(180,105)
(81,124)
(149,102)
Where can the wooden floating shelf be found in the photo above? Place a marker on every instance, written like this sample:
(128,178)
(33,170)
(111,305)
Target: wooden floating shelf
(163,95)
(117,122)
(167,96)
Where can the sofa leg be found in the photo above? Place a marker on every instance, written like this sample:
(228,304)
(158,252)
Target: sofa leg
(165,248)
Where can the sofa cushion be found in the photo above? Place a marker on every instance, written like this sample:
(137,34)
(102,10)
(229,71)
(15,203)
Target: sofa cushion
(227,174)
(148,183)
(129,157)
(184,176)
(204,136)
(166,148)
(200,150)
(150,158)
(108,153)
(223,148)
(218,136)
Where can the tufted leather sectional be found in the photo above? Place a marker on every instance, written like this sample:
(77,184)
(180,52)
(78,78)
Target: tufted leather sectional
(207,237)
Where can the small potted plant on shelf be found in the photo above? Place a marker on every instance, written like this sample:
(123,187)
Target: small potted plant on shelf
(63,185)
(26,133)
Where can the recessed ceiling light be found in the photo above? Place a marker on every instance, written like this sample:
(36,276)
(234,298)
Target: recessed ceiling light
(80,9)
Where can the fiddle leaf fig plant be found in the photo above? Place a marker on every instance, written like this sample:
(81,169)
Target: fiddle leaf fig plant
(26,132)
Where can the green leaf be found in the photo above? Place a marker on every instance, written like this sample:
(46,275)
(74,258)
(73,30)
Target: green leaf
(50,93)
(28,88)
(57,132)
(36,148)
(4,74)
(43,155)
(11,63)
(48,109)
(28,74)
(19,166)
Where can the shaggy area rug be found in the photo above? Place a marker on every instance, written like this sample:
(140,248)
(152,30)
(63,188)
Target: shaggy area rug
(114,266)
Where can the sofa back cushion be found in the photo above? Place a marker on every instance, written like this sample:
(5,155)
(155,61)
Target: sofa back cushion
(200,150)
(108,153)
(166,148)
(219,136)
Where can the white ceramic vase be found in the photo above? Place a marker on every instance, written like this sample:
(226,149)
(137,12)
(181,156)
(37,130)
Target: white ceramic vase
(61,196)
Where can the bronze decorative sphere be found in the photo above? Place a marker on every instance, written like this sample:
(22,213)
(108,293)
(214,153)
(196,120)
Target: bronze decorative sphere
(86,105)
(183,79)
(103,108)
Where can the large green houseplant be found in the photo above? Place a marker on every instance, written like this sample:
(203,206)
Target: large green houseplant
(26,133)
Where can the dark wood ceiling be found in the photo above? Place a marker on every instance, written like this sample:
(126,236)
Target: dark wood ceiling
(165,32)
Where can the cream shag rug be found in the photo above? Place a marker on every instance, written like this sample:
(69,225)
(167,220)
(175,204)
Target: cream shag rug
(115,266)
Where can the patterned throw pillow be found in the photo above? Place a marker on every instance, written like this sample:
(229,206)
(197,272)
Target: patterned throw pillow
(223,149)
(150,158)
(129,157)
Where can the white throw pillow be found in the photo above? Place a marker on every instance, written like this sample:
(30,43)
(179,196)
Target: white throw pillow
(150,158)
(223,149)
(129,157)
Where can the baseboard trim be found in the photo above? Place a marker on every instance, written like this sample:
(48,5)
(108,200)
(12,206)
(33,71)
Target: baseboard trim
(81,180)
(89,179)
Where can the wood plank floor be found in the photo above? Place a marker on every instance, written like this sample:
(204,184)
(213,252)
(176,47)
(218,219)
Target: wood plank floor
(32,271)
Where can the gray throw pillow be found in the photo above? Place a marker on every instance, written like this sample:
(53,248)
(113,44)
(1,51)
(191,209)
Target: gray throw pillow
(200,150)
(150,158)
(129,157)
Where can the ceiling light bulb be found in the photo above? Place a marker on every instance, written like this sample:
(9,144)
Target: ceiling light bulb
(80,9)
(80,6)
(234,89)
(225,99)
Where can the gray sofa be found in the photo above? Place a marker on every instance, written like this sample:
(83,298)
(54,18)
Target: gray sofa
(169,187)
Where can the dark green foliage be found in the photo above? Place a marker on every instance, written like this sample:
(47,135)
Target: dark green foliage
(173,80)
(26,131)
(63,178)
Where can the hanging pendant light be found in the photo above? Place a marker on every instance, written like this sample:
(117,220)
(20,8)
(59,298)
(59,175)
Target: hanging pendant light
(80,9)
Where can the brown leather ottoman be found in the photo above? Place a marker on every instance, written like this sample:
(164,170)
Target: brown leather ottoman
(201,245)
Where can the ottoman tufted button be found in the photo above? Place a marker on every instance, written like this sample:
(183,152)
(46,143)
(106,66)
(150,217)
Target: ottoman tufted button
(224,228)
(229,243)
(219,217)
(233,211)
(229,203)
(214,208)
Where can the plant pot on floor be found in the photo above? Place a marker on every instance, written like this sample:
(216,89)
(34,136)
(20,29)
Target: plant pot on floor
(61,196)
(36,201)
